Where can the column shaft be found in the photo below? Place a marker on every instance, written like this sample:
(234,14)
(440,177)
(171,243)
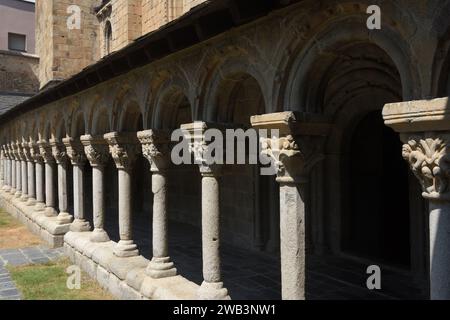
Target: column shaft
(292,235)
(439,250)
(49,193)
(18,179)
(98,204)
(24,175)
(79,224)
(126,247)
(13,176)
(212,286)
(40,198)
(31,183)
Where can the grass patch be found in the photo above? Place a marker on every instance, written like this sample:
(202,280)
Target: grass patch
(7,221)
(48,282)
(14,235)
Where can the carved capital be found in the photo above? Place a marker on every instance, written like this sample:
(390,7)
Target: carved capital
(293,157)
(293,142)
(155,148)
(59,152)
(46,151)
(75,151)
(27,152)
(124,148)
(200,148)
(96,150)
(429,158)
(34,152)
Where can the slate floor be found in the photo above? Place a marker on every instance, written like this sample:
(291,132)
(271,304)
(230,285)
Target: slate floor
(251,275)
(18,257)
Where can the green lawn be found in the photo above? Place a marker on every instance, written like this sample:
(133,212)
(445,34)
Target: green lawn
(48,282)
(7,220)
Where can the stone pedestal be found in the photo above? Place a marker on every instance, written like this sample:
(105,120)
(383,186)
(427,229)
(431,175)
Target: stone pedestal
(155,148)
(294,148)
(124,148)
(425,130)
(46,154)
(97,152)
(75,152)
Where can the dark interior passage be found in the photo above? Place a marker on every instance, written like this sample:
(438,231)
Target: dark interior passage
(376,224)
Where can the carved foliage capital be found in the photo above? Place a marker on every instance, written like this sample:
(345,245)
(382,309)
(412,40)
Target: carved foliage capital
(59,152)
(96,150)
(35,153)
(46,151)
(429,158)
(155,148)
(293,158)
(75,151)
(123,149)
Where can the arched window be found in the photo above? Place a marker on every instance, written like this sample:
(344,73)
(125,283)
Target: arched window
(108,37)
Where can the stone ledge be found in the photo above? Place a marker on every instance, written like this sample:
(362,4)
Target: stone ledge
(124,278)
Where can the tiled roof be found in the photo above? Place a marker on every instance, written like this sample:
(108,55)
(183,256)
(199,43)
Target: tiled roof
(10,100)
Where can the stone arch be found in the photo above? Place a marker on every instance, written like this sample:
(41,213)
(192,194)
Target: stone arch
(172,106)
(78,124)
(348,75)
(233,71)
(333,37)
(441,63)
(126,112)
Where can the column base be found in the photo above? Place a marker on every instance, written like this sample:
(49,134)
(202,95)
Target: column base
(40,206)
(64,218)
(50,212)
(161,268)
(80,225)
(99,235)
(213,291)
(126,248)
(24,198)
(18,194)
(6,188)
(12,191)
(31,202)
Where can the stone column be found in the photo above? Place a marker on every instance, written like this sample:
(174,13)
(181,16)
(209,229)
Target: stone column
(2,167)
(46,154)
(17,152)
(293,150)
(212,286)
(29,155)
(76,155)
(97,152)
(7,160)
(124,148)
(60,155)
(39,168)
(12,170)
(156,149)
(23,172)
(425,131)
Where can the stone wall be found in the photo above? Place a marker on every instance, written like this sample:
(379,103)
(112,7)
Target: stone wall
(65,51)
(18,72)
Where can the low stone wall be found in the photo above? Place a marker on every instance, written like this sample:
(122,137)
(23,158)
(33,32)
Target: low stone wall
(124,278)
(45,227)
